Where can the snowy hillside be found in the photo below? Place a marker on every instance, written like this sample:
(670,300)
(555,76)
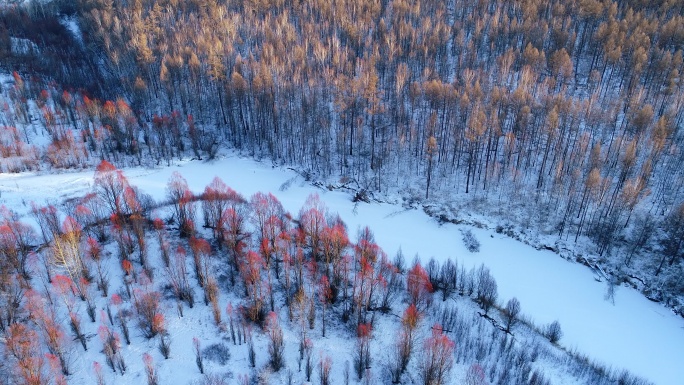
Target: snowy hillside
(631,333)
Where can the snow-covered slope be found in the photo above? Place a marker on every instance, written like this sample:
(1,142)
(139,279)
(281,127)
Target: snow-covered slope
(632,333)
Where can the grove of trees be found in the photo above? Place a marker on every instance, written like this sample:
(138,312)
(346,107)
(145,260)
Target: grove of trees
(270,274)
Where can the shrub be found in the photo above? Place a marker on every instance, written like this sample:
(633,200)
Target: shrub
(471,243)
(148,312)
(214,379)
(164,346)
(199,359)
(251,353)
(325,365)
(218,353)
(150,370)
(276,345)
(553,332)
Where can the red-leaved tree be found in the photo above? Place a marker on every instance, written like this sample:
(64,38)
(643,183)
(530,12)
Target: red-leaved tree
(148,312)
(44,316)
(164,247)
(99,376)
(110,184)
(250,268)
(16,239)
(200,249)
(362,357)
(405,342)
(111,347)
(418,286)
(22,344)
(264,206)
(438,358)
(334,242)
(216,199)
(235,237)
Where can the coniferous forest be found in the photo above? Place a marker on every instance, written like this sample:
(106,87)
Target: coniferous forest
(560,118)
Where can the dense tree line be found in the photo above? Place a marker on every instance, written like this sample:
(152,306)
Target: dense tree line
(570,109)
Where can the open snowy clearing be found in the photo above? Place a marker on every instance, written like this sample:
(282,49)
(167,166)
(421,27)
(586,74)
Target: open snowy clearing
(634,333)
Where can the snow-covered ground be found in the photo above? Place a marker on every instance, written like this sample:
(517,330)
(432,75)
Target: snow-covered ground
(633,334)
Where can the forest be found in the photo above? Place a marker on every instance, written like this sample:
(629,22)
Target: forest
(556,119)
(566,115)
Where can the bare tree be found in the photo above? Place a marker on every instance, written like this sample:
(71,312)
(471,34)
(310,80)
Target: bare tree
(486,288)
(511,312)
